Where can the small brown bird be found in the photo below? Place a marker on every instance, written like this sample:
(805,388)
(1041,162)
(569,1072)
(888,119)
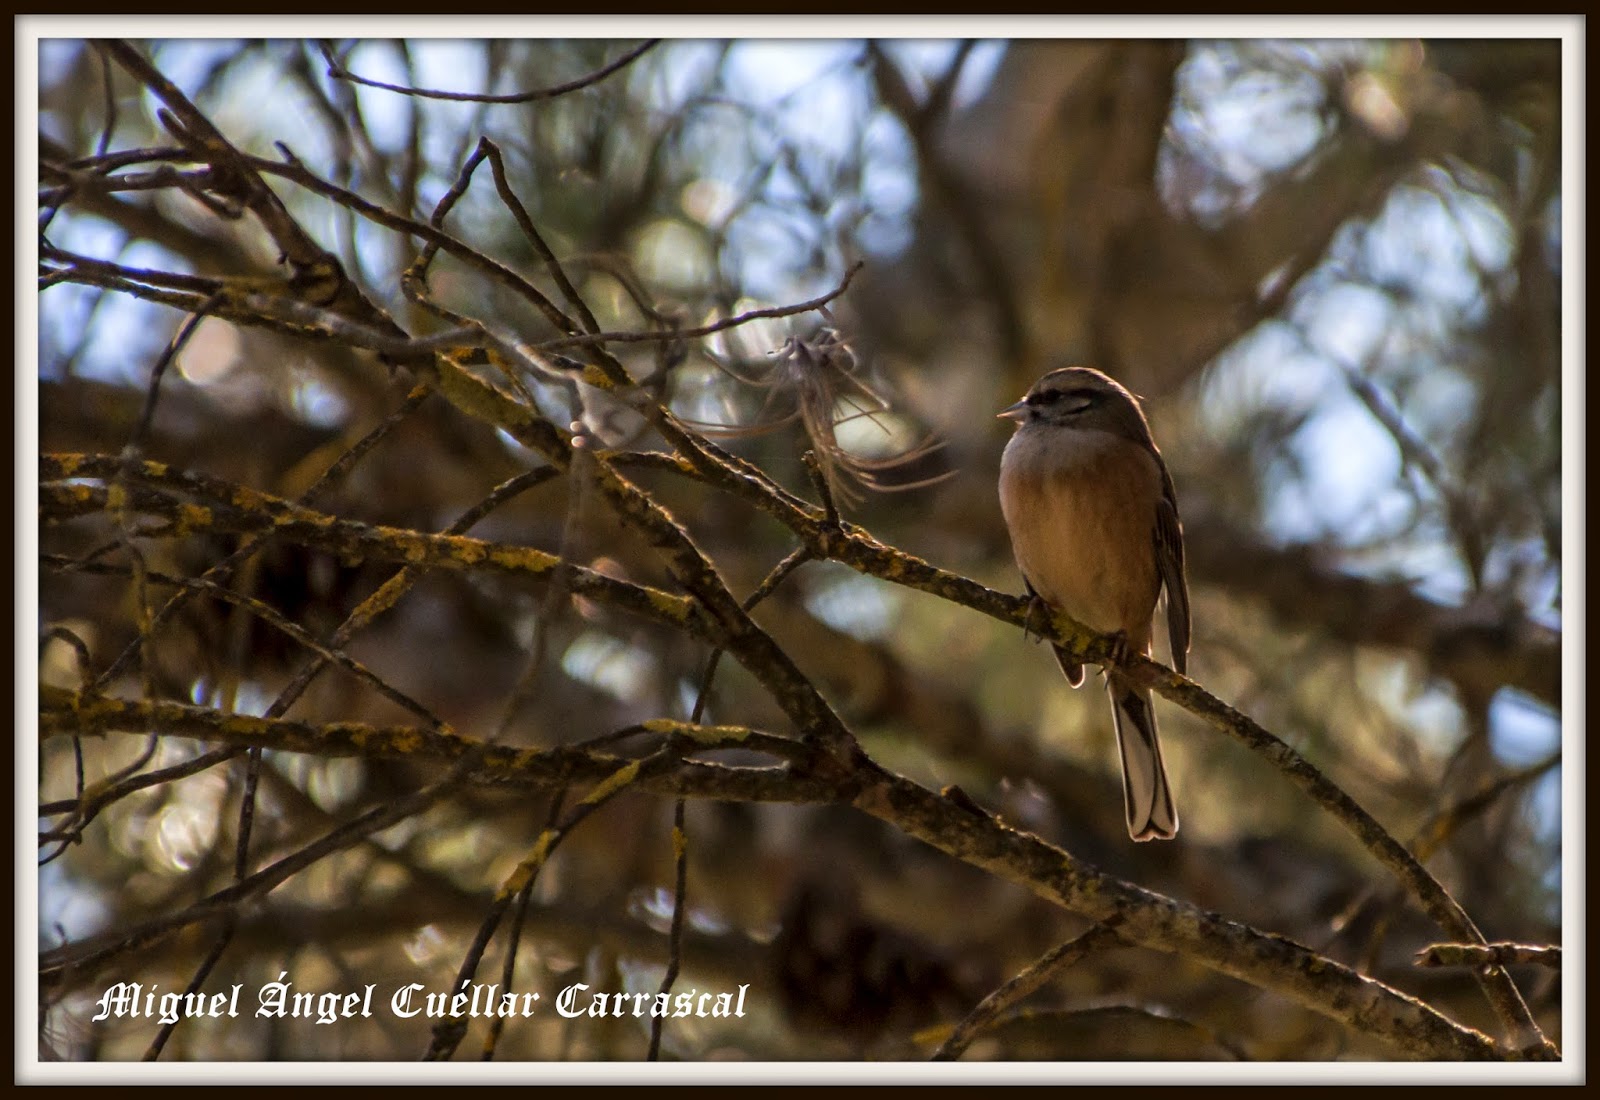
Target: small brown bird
(1095,530)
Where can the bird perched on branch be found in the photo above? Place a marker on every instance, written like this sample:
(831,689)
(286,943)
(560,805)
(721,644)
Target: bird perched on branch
(1094,526)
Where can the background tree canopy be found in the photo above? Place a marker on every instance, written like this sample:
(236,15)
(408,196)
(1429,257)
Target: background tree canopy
(524,511)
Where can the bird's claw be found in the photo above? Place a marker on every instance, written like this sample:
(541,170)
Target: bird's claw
(1036,606)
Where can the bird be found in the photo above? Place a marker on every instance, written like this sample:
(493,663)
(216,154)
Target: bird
(1094,527)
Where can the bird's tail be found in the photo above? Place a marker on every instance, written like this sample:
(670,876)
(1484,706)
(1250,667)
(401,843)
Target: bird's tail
(1151,813)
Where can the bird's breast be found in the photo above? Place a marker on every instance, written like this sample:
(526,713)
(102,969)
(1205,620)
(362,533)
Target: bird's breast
(1081,509)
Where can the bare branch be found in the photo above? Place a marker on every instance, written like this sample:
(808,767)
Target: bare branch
(337,71)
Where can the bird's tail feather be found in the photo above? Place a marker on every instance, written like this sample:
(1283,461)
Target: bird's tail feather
(1151,812)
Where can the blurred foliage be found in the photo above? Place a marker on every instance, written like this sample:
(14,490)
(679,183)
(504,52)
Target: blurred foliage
(1332,269)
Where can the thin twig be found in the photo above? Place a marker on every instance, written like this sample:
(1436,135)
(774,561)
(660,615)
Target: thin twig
(86,957)
(508,971)
(680,836)
(337,71)
(705,330)
(219,572)
(1036,974)
(1490,954)
(448,1032)
(273,618)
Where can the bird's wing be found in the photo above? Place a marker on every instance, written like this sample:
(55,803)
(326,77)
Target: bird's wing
(1169,563)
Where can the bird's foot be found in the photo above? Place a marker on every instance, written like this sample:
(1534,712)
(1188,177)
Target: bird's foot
(1036,608)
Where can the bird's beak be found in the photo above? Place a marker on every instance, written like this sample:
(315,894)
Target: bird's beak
(1017,412)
